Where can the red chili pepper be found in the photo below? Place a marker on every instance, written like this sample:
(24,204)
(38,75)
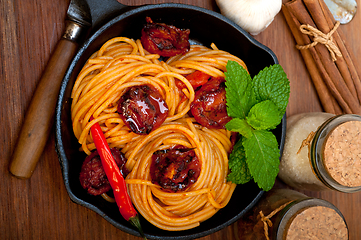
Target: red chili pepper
(115,178)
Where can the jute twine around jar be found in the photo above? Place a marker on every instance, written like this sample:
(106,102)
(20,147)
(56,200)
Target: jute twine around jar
(266,219)
(307,142)
(320,37)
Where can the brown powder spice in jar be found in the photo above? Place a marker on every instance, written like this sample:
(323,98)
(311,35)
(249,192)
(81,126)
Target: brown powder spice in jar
(342,154)
(317,222)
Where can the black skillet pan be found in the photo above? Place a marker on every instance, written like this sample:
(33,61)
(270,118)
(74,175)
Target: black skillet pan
(206,27)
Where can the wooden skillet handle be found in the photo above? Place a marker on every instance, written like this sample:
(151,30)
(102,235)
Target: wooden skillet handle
(40,113)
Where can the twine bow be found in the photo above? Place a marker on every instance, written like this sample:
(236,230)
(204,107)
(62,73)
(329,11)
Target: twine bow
(320,37)
(266,219)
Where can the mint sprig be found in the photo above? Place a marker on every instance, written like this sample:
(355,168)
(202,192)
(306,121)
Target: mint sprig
(256,106)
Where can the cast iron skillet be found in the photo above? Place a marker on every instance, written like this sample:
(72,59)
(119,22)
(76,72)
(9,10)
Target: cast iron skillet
(206,27)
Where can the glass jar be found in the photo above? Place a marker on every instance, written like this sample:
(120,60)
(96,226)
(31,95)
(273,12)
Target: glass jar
(331,160)
(293,215)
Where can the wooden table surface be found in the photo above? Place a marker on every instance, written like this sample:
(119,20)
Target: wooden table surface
(40,208)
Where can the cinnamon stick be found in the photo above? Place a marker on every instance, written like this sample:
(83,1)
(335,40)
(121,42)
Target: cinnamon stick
(339,82)
(299,11)
(352,62)
(328,102)
(316,11)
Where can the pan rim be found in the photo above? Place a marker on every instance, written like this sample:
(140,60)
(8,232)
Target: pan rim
(59,138)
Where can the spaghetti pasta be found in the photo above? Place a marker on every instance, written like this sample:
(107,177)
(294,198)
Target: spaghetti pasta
(122,63)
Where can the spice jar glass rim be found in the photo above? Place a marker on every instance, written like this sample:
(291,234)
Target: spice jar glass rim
(317,152)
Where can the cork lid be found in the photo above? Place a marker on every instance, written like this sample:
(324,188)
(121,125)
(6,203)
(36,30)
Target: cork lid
(317,222)
(342,154)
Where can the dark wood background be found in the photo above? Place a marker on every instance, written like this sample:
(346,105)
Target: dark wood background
(40,208)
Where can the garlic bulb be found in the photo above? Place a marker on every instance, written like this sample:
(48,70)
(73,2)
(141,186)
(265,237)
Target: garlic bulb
(254,16)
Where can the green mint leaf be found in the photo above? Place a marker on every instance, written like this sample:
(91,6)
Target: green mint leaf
(239,91)
(256,107)
(272,84)
(237,164)
(264,116)
(241,126)
(262,156)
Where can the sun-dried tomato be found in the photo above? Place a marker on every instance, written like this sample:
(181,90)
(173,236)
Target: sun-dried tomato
(92,176)
(196,79)
(165,40)
(175,169)
(209,106)
(142,109)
